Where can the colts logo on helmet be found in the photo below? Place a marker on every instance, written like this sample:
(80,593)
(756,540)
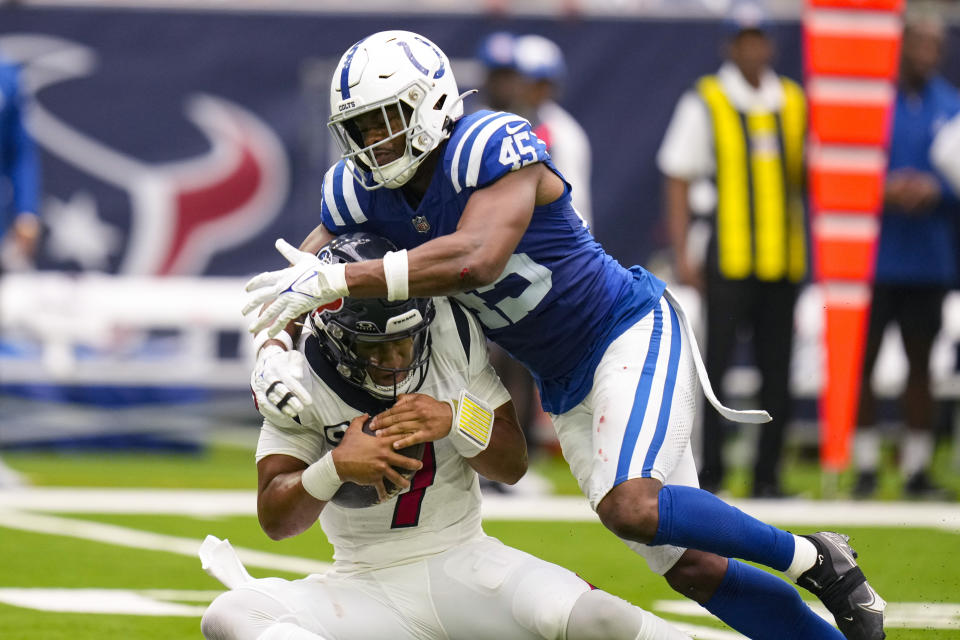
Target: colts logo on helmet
(416,63)
(420,224)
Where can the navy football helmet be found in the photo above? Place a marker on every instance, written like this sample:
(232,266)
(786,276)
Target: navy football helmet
(349,329)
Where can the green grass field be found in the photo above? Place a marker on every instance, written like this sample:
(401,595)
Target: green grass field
(907,565)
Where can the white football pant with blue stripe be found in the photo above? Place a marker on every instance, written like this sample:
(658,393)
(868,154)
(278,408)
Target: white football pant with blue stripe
(637,419)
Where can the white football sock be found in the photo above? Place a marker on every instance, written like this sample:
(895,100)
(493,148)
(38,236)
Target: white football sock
(655,628)
(917,452)
(866,449)
(597,615)
(804,555)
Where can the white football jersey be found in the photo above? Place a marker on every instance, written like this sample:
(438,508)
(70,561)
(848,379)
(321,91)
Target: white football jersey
(442,506)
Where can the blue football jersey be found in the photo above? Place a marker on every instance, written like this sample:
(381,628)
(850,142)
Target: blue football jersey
(560,301)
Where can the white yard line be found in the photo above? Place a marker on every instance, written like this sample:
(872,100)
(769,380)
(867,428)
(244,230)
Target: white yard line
(898,615)
(705,633)
(19,510)
(109,601)
(185,502)
(213,503)
(126,537)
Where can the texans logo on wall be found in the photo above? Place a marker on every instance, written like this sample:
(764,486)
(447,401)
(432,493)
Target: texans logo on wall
(117,212)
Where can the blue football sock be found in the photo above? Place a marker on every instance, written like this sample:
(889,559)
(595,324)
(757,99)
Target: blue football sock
(697,519)
(762,606)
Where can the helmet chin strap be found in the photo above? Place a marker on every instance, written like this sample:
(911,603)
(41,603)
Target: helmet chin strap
(397,173)
(389,391)
(403,176)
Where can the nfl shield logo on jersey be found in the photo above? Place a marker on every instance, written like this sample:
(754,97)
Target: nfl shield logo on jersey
(420,224)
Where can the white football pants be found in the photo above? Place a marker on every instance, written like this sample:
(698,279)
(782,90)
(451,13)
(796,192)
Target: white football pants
(479,591)
(637,419)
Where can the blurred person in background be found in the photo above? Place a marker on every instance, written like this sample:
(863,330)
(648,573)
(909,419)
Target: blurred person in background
(743,127)
(945,152)
(500,92)
(916,257)
(501,81)
(542,68)
(19,223)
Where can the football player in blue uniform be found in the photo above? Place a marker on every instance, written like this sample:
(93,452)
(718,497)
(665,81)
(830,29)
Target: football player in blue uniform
(481,213)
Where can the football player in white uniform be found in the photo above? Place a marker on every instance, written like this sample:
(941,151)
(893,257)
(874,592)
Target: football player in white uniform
(481,213)
(416,565)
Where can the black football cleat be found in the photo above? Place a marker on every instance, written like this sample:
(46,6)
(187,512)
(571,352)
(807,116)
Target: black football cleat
(866,485)
(922,487)
(837,580)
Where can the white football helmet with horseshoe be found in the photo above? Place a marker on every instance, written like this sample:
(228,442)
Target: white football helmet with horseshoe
(409,80)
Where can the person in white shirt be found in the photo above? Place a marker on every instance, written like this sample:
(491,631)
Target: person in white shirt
(501,81)
(541,64)
(415,563)
(945,152)
(501,87)
(743,128)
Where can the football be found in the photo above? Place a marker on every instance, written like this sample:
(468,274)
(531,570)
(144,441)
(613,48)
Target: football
(354,496)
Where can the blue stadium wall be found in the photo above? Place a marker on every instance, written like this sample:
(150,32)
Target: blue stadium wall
(624,79)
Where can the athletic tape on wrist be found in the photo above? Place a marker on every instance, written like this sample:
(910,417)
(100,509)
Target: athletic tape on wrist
(261,338)
(320,479)
(336,279)
(472,424)
(397,274)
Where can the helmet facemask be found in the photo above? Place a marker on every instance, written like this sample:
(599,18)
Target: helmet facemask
(398,379)
(392,119)
(399,74)
(351,332)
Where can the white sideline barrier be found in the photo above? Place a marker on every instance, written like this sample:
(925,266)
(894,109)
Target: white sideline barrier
(807,368)
(890,372)
(54,314)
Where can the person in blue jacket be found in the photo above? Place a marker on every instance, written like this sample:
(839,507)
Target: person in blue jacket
(20,169)
(18,202)
(916,258)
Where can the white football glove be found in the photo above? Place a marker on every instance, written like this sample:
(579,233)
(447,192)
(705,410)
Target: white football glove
(277,382)
(301,287)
